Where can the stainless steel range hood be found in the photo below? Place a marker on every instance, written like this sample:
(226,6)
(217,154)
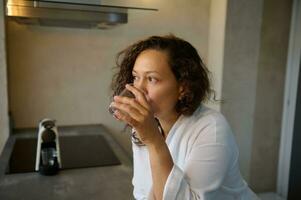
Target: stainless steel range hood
(67,13)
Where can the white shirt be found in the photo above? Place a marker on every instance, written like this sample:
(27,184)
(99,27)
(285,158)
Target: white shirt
(205,157)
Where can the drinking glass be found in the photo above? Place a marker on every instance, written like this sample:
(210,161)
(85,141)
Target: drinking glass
(125,93)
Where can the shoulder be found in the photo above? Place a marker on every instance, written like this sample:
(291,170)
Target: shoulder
(210,126)
(206,117)
(204,113)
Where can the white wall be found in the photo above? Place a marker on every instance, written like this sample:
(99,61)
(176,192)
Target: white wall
(65,73)
(4,130)
(218,11)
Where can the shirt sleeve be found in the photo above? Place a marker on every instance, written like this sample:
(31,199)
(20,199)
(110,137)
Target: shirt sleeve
(201,176)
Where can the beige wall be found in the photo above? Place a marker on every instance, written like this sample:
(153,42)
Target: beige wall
(65,73)
(4,129)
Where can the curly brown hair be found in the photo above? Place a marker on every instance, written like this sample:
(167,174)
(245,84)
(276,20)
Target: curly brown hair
(185,63)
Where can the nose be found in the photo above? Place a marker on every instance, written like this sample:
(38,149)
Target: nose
(141,84)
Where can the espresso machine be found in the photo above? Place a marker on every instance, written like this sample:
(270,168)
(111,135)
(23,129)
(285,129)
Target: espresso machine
(48,158)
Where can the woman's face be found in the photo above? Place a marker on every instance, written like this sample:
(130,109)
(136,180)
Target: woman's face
(152,74)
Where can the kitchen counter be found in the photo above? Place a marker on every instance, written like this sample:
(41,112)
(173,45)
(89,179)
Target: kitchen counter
(105,182)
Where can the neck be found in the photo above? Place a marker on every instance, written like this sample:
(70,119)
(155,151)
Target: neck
(167,122)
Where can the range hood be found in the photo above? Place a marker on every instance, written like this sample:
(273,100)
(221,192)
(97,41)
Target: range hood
(68,13)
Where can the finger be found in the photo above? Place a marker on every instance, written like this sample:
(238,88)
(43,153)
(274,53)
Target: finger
(133,102)
(127,110)
(139,94)
(125,117)
(115,116)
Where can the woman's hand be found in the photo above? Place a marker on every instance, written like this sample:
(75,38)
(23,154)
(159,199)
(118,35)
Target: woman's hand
(138,113)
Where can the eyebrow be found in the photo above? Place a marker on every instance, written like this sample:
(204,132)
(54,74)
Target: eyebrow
(147,72)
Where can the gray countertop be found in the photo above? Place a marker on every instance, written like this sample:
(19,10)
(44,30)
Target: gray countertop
(107,182)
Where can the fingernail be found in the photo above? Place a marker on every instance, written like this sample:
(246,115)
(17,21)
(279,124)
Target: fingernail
(115,117)
(116,113)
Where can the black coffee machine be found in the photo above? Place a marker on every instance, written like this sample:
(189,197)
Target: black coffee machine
(48,158)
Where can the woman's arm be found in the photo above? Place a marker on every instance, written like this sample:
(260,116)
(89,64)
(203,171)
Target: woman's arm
(161,165)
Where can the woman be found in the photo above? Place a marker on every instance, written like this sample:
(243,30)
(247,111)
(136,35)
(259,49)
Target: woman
(181,149)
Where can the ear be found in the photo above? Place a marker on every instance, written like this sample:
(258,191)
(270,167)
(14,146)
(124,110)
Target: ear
(182,91)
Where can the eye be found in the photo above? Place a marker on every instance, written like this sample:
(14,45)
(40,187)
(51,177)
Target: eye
(152,79)
(135,78)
